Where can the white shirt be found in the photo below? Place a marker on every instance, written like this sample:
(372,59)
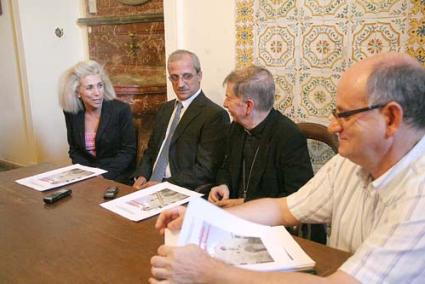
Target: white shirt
(186,103)
(382,221)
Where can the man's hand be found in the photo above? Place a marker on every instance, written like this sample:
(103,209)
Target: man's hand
(142,183)
(229,202)
(139,182)
(188,264)
(218,193)
(149,183)
(171,219)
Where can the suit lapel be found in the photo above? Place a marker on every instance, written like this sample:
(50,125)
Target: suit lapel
(189,115)
(168,111)
(81,128)
(105,117)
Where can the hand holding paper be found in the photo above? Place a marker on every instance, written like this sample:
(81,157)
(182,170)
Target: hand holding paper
(171,219)
(172,263)
(233,240)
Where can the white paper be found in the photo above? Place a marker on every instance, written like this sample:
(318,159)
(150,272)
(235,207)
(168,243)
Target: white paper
(148,202)
(60,177)
(171,238)
(239,242)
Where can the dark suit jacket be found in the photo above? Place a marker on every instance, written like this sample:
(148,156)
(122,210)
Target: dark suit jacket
(115,140)
(282,165)
(196,149)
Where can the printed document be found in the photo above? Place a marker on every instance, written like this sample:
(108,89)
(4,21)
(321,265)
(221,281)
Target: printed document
(148,202)
(237,241)
(60,177)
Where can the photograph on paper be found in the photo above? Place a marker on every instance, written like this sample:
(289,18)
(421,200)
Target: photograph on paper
(237,241)
(66,176)
(150,201)
(157,200)
(60,177)
(232,248)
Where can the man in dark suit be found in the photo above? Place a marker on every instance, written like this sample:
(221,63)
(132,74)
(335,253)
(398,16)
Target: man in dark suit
(185,147)
(266,154)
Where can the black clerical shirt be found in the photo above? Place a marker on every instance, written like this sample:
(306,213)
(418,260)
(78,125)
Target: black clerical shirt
(250,150)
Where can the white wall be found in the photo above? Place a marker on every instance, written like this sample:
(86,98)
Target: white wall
(46,58)
(206,28)
(16,141)
(41,57)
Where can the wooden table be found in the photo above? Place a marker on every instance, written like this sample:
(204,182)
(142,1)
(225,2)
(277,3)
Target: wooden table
(75,240)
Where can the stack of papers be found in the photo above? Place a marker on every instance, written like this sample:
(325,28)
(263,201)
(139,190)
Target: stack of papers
(237,241)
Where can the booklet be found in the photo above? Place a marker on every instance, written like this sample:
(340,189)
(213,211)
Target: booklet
(60,177)
(237,241)
(148,202)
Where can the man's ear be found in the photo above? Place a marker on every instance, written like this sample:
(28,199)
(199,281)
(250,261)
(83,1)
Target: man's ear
(200,75)
(393,117)
(250,105)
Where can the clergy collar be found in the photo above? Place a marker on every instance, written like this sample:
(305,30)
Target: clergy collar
(259,129)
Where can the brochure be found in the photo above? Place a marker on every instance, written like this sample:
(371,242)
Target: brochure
(148,202)
(237,241)
(60,177)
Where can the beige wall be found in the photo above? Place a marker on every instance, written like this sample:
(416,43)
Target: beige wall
(206,28)
(30,113)
(16,140)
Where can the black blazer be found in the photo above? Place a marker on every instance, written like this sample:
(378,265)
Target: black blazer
(282,165)
(196,148)
(115,140)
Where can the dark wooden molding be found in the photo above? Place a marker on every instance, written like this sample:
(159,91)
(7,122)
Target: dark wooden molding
(8,165)
(121,20)
(133,2)
(136,89)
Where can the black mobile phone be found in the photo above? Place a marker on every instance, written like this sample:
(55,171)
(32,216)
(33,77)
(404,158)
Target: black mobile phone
(55,196)
(111,192)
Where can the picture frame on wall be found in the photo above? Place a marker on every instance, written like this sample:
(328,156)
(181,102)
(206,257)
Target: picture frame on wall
(0,9)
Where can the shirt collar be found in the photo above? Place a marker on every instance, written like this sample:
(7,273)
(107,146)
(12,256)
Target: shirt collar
(384,180)
(259,129)
(186,103)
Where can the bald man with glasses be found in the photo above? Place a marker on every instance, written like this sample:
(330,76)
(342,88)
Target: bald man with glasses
(185,147)
(372,193)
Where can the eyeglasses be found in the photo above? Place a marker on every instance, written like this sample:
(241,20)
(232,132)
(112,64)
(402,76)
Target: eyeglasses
(185,76)
(349,113)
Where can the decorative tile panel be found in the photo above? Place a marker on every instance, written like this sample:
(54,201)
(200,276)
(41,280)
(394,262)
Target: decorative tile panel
(276,46)
(325,8)
(323,46)
(308,44)
(371,38)
(272,9)
(382,7)
(317,99)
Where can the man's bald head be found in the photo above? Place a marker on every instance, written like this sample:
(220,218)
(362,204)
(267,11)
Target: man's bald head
(390,77)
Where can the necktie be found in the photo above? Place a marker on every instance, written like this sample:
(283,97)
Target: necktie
(158,172)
